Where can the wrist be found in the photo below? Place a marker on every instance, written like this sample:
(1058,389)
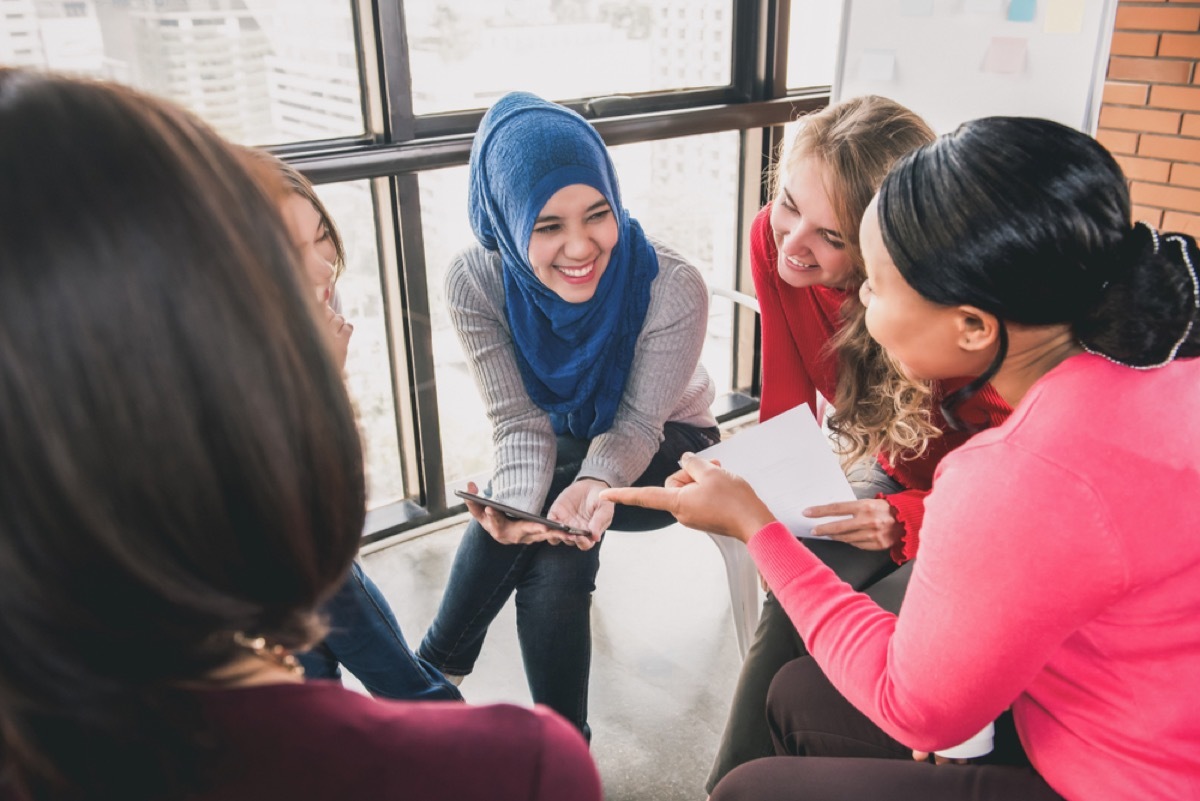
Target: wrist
(754,524)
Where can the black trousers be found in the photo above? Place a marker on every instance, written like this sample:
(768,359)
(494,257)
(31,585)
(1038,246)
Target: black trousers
(832,752)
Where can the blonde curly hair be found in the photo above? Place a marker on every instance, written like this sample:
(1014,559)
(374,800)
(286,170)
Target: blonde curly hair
(876,408)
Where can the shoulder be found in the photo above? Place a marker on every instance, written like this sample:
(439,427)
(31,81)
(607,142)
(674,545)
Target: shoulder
(474,272)
(677,277)
(762,240)
(432,749)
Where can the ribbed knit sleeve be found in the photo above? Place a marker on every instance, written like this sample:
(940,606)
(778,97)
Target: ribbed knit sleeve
(522,435)
(910,513)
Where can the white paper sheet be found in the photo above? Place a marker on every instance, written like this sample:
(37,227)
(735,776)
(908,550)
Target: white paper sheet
(789,462)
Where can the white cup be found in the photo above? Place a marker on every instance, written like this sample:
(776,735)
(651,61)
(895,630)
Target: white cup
(977,746)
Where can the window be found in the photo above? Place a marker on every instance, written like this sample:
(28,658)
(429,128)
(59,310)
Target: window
(249,37)
(384,128)
(465,55)
(369,363)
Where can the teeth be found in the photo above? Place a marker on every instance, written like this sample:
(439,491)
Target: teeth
(792,260)
(578,272)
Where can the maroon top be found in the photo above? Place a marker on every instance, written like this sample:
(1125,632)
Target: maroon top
(320,741)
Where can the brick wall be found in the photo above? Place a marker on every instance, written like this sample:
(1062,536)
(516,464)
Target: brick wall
(1150,117)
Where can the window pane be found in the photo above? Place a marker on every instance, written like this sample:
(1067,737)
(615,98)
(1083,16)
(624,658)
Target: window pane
(259,71)
(368,365)
(813,42)
(683,191)
(467,54)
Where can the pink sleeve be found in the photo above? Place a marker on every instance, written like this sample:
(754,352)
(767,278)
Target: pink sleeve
(566,769)
(978,624)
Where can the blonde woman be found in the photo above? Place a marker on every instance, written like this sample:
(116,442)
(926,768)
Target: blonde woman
(807,270)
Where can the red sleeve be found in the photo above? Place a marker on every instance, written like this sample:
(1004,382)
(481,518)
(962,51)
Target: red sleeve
(785,381)
(910,512)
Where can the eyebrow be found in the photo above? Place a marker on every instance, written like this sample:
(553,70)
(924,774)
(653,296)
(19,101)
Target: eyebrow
(792,202)
(548,217)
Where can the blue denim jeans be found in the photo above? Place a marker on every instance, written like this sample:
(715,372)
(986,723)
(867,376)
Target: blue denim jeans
(553,586)
(364,636)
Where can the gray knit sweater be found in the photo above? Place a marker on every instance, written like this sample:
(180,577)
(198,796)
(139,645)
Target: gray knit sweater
(666,382)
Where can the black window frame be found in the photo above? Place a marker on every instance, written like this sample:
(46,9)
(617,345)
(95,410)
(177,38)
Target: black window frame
(399,146)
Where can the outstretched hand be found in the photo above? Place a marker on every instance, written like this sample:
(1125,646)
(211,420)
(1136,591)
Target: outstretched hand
(702,496)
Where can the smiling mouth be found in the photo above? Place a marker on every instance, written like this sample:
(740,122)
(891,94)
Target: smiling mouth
(796,264)
(582,271)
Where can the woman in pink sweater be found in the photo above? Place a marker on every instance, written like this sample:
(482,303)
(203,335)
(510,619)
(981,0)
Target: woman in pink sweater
(1060,558)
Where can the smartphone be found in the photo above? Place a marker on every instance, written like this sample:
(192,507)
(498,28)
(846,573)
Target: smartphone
(519,514)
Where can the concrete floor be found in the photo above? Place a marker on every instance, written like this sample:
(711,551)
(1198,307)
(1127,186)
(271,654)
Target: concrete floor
(664,661)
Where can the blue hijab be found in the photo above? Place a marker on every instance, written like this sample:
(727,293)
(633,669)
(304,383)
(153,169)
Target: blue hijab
(574,358)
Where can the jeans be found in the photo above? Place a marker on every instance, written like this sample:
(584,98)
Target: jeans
(553,587)
(365,637)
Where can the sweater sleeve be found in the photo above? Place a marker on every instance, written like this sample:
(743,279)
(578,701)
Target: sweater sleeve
(785,380)
(950,663)
(665,362)
(522,435)
(909,506)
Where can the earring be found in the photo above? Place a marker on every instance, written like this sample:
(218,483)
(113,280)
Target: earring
(271,653)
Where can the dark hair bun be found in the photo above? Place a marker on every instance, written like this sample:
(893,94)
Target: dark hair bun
(1147,314)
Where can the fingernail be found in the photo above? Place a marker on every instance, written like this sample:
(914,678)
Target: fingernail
(806,512)
(685,457)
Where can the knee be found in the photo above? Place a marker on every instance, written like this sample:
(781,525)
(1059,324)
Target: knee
(561,573)
(798,697)
(753,781)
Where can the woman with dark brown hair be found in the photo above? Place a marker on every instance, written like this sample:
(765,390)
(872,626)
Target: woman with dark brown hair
(181,485)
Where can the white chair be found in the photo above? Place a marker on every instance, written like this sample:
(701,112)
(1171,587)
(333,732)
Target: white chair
(740,569)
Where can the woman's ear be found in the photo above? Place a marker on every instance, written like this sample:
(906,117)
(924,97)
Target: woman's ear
(977,330)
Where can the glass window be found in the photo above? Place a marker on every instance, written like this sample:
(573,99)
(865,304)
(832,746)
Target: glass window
(369,364)
(813,36)
(464,55)
(693,210)
(285,71)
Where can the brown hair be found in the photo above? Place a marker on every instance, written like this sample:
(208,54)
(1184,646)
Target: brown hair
(280,179)
(179,461)
(857,141)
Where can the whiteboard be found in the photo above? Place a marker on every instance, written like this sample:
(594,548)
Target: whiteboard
(955,60)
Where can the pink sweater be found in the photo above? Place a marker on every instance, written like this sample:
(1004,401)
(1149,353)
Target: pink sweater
(1076,600)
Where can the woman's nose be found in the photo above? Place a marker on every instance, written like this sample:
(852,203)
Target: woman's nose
(579,246)
(796,240)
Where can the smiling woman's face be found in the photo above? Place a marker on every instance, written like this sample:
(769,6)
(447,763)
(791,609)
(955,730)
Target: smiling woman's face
(572,239)
(812,249)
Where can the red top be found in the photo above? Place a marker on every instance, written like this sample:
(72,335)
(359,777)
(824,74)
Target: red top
(797,324)
(1092,634)
(319,741)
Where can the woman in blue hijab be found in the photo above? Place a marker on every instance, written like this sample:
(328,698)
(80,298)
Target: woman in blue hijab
(584,336)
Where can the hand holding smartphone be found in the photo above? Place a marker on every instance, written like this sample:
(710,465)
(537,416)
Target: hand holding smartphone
(520,514)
